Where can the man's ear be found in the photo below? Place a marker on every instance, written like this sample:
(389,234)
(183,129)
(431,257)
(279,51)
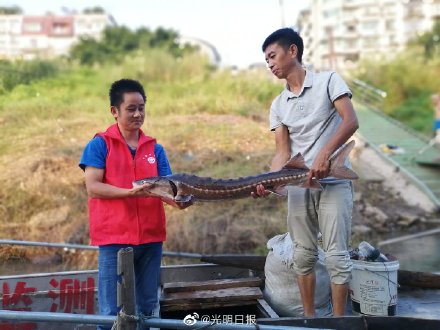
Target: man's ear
(114,111)
(293,50)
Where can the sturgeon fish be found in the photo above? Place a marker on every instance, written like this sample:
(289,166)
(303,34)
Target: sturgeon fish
(183,188)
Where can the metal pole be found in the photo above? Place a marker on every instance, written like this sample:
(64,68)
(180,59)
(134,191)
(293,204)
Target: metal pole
(179,324)
(24,316)
(47,244)
(126,291)
(181,254)
(89,247)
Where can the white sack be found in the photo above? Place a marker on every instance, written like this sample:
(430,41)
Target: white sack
(281,289)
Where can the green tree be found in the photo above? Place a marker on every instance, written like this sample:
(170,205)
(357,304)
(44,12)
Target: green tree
(25,72)
(168,39)
(118,41)
(430,41)
(409,79)
(13,10)
(94,10)
(89,51)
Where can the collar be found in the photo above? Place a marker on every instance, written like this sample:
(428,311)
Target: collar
(114,132)
(308,82)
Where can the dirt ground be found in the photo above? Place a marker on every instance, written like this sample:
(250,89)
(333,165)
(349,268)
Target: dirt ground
(381,213)
(386,206)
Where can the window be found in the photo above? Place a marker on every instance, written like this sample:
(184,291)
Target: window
(352,57)
(331,13)
(32,27)
(351,43)
(390,25)
(60,28)
(370,26)
(369,42)
(351,28)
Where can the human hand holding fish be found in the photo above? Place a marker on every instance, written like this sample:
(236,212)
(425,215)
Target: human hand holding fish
(146,190)
(260,191)
(183,189)
(320,168)
(142,191)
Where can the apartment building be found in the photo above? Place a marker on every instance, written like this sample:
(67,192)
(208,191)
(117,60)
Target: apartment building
(28,37)
(339,33)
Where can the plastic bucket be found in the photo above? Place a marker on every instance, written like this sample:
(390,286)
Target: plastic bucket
(373,287)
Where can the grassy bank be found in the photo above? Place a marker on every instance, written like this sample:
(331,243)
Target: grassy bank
(409,79)
(211,123)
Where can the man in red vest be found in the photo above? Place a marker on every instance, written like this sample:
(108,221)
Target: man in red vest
(119,215)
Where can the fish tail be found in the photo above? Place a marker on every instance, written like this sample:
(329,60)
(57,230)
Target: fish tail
(337,163)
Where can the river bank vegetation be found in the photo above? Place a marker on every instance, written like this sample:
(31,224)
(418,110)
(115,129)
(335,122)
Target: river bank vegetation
(212,122)
(409,78)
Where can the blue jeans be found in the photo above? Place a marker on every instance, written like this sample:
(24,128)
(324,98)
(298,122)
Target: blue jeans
(147,259)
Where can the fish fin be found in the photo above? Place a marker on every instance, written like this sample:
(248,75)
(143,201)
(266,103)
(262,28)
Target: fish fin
(337,167)
(313,185)
(344,173)
(184,205)
(179,204)
(279,191)
(296,161)
(183,198)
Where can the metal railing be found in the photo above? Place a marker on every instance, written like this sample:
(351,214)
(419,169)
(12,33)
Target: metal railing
(364,93)
(374,98)
(127,319)
(68,246)
(154,322)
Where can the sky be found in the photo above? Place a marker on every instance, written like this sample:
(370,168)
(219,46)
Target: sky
(237,28)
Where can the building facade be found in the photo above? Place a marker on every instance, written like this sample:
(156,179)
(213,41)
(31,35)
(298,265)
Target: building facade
(339,33)
(48,36)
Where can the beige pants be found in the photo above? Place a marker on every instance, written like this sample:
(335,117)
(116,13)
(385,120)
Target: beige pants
(329,212)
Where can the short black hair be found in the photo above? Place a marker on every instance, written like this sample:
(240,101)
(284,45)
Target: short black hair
(285,37)
(122,86)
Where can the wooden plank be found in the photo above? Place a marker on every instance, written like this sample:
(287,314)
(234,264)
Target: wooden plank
(205,296)
(265,309)
(236,260)
(419,279)
(211,285)
(126,290)
(196,306)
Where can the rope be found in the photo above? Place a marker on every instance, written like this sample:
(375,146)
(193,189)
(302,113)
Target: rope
(386,277)
(132,318)
(143,317)
(389,289)
(123,315)
(115,324)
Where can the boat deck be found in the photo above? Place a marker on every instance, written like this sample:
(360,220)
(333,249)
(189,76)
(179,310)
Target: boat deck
(411,302)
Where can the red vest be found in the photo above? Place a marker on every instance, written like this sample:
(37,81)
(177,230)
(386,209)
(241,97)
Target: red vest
(132,220)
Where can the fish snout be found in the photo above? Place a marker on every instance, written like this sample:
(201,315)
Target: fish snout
(145,183)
